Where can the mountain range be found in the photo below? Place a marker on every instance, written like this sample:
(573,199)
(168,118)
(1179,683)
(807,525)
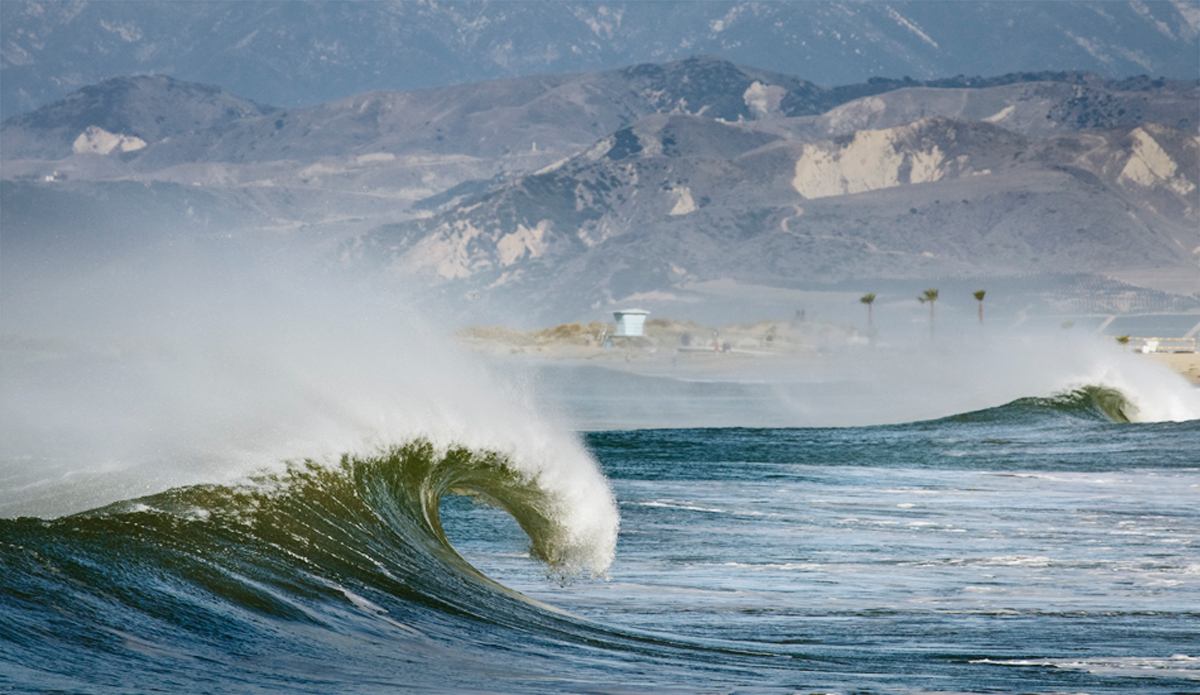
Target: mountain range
(296,54)
(678,200)
(650,184)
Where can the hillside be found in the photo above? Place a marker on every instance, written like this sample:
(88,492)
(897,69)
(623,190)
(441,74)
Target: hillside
(145,110)
(649,183)
(180,123)
(372,159)
(676,201)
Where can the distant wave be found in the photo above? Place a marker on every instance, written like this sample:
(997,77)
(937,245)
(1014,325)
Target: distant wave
(1086,400)
(1093,402)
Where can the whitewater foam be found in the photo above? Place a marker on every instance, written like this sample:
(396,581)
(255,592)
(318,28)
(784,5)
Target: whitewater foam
(1175,666)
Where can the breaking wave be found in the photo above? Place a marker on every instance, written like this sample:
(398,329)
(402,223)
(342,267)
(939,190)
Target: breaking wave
(1089,401)
(392,496)
(357,542)
(1092,402)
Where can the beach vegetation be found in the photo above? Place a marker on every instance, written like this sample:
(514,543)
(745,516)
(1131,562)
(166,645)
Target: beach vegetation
(929,296)
(869,300)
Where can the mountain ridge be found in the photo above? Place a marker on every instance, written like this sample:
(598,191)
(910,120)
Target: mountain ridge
(582,108)
(634,215)
(571,192)
(297,55)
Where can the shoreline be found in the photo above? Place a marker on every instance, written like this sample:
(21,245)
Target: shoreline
(654,358)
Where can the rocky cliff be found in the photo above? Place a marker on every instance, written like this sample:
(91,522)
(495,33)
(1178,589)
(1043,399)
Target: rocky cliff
(677,200)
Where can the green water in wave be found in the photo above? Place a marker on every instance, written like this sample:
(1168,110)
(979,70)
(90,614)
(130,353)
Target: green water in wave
(400,486)
(1107,400)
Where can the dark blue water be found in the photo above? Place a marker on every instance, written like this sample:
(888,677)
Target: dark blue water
(1037,547)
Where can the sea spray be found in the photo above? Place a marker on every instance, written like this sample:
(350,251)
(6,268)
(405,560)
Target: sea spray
(1151,392)
(890,383)
(117,386)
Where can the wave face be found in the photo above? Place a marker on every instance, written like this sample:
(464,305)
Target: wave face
(771,560)
(199,567)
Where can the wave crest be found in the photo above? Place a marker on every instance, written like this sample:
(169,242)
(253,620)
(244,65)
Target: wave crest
(1095,402)
(392,497)
(569,538)
(1087,400)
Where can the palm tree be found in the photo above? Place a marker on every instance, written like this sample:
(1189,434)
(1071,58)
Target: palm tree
(979,298)
(868,299)
(930,296)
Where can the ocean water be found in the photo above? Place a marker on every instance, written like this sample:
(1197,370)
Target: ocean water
(1037,546)
(264,484)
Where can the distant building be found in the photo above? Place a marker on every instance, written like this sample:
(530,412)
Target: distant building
(630,321)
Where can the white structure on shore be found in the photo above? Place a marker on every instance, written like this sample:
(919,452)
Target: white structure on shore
(629,321)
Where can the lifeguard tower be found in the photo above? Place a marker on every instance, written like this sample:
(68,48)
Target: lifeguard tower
(630,322)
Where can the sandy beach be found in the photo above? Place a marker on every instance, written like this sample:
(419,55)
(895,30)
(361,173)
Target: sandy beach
(1186,363)
(682,347)
(677,348)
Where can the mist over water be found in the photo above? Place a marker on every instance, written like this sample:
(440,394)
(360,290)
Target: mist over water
(188,364)
(894,381)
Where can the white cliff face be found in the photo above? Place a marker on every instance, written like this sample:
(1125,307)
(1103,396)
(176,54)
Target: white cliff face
(683,201)
(449,253)
(874,159)
(1150,165)
(96,140)
(524,243)
(1001,115)
(764,100)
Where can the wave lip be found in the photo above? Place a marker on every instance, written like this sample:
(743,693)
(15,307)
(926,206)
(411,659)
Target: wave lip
(570,517)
